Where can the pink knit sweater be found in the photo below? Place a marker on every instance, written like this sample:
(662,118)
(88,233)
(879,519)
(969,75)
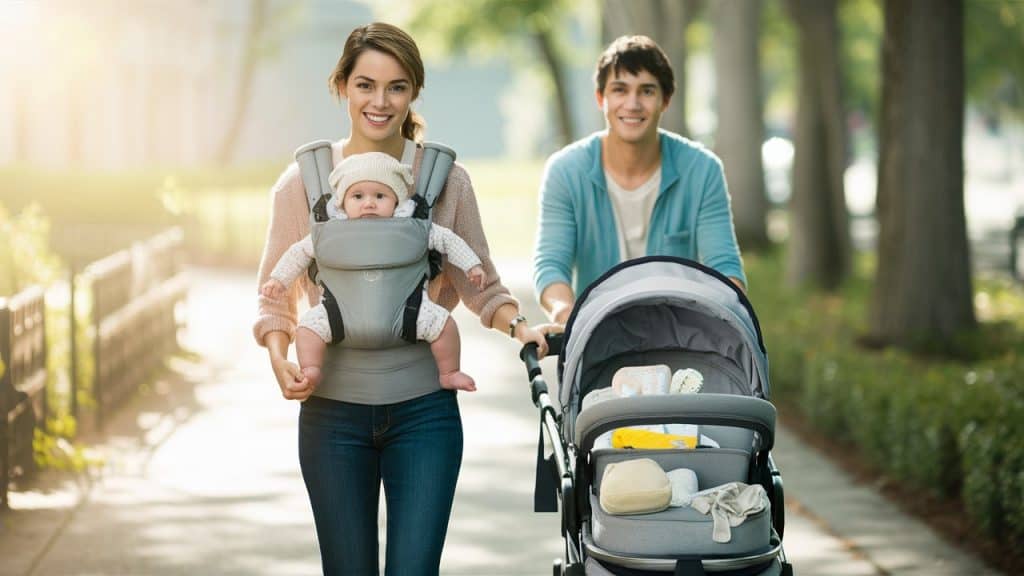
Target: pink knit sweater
(456,209)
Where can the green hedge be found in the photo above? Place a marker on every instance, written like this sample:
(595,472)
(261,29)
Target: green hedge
(952,428)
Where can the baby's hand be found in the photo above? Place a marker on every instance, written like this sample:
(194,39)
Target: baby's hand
(273,288)
(477,277)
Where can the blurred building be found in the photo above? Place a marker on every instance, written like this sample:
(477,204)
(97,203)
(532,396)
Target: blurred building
(108,84)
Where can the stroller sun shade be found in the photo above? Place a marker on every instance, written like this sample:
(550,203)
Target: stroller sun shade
(662,310)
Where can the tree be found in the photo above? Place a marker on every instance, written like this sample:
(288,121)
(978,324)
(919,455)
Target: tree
(994,67)
(740,123)
(459,25)
(819,240)
(267,27)
(923,294)
(665,22)
(252,40)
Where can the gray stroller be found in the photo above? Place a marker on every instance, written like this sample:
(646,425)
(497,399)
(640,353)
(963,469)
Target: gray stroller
(674,312)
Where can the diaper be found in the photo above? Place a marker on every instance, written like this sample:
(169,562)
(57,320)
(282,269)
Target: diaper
(641,380)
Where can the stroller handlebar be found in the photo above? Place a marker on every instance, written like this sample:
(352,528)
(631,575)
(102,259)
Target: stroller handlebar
(528,354)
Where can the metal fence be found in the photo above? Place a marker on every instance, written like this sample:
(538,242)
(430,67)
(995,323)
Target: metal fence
(135,293)
(22,383)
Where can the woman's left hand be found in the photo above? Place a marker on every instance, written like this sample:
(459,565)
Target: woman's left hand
(526,334)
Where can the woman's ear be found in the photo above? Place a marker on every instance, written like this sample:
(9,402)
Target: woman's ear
(341,89)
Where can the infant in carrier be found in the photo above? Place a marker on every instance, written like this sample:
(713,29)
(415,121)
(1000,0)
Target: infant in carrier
(376,185)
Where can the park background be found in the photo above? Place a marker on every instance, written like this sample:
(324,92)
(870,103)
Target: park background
(895,333)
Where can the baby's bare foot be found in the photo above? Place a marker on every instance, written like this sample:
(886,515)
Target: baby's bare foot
(312,373)
(458,381)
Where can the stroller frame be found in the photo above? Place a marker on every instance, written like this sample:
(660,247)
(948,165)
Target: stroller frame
(564,477)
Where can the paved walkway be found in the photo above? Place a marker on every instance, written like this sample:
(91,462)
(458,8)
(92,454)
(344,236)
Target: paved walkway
(202,477)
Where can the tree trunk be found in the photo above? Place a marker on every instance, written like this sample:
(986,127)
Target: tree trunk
(251,42)
(665,22)
(546,45)
(923,293)
(740,122)
(819,251)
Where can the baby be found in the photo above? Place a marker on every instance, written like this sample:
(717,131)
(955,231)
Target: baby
(376,185)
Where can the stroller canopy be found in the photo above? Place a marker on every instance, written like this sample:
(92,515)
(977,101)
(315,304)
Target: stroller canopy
(662,303)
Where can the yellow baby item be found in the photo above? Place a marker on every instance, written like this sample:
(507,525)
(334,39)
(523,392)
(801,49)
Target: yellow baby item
(638,439)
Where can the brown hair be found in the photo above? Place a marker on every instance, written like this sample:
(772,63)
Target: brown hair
(394,42)
(635,53)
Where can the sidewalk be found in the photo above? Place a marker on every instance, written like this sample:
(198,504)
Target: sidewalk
(202,477)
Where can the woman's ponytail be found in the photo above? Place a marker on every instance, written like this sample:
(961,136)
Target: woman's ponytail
(415,127)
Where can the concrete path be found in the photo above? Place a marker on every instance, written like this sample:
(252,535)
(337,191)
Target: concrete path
(202,477)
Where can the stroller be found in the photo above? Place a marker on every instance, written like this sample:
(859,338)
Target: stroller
(659,311)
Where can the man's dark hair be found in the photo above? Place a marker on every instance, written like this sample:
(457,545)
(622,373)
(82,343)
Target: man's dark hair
(635,53)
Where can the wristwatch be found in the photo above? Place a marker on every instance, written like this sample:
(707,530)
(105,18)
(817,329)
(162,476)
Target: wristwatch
(515,322)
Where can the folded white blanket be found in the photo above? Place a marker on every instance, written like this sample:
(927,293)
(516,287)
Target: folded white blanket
(729,505)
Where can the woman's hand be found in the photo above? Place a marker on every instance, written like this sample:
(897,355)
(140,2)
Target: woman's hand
(526,334)
(294,386)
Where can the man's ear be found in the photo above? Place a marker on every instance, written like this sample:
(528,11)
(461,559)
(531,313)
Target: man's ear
(665,103)
(599,97)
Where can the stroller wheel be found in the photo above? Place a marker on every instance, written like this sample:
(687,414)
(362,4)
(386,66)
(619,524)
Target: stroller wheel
(556,567)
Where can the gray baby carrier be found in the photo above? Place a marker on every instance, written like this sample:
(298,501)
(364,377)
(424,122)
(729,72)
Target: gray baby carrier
(372,271)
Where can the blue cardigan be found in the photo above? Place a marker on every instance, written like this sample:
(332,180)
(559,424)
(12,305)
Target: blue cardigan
(577,231)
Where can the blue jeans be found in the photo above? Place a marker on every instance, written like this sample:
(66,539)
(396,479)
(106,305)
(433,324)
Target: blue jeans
(346,450)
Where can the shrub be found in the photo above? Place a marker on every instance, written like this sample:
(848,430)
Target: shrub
(950,427)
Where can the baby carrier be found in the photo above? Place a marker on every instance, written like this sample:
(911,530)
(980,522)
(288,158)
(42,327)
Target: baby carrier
(372,271)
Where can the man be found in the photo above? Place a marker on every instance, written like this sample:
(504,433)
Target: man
(631,190)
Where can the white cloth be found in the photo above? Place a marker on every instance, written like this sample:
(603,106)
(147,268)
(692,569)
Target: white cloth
(729,505)
(633,209)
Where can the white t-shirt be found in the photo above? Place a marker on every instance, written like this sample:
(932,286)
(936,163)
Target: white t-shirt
(633,210)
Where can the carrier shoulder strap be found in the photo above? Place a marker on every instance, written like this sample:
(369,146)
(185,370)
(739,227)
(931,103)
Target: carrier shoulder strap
(434,168)
(315,162)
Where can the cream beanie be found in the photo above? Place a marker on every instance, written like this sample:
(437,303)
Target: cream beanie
(373,167)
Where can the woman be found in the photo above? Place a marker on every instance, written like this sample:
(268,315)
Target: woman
(380,416)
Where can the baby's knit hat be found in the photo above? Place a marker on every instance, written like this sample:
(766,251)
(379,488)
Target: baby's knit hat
(374,167)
